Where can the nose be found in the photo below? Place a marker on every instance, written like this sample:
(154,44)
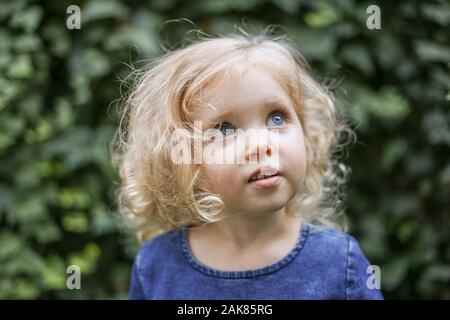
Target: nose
(258,149)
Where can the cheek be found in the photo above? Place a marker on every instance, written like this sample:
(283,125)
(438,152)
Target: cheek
(293,154)
(219,179)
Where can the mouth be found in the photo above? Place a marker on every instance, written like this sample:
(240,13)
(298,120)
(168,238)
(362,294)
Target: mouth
(263,173)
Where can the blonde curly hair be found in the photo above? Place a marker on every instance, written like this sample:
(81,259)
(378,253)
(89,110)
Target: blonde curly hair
(159,195)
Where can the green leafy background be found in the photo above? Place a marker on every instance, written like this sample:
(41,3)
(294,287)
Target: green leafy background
(58,114)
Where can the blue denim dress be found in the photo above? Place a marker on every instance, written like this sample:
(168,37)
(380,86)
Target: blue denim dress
(324,264)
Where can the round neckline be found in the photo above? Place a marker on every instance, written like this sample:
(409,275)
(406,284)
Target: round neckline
(242,274)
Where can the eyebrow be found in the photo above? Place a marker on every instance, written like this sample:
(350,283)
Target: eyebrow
(267,104)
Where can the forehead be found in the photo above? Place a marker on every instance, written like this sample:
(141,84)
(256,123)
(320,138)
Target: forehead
(253,89)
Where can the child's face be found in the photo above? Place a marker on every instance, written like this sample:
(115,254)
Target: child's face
(259,103)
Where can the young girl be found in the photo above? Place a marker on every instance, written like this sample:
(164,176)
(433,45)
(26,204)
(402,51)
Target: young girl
(241,206)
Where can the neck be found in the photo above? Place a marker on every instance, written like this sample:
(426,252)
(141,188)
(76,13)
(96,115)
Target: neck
(244,230)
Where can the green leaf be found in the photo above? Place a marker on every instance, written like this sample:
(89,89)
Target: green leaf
(54,273)
(358,56)
(432,51)
(21,68)
(95,10)
(325,15)
(27,19)
(75,222)
(87,259)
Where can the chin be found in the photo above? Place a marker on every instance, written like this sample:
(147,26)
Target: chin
(264,208)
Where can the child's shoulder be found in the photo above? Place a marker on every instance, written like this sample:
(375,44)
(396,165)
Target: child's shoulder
(331,239)
(327,233)
(160,246)
(338,255)
(335,245)
(167,238)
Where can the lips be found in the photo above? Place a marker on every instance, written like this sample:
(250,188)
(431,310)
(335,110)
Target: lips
(264,173)
(261,176)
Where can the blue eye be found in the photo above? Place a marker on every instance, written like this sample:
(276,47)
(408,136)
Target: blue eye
(225,128)
(275,119)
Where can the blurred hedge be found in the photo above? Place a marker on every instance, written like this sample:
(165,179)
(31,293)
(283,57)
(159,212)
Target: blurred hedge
(57,117)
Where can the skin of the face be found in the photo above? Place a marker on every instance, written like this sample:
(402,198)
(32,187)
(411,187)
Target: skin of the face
(249,104)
